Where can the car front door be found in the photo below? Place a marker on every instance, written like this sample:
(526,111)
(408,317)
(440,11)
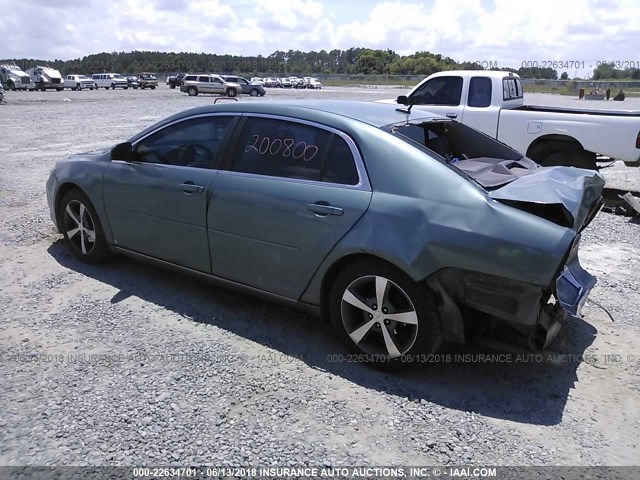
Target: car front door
(157,204)
(292,192)
(441,95)
(217,86)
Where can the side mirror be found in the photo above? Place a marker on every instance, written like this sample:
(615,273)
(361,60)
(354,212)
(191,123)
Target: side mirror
(123,151)
(402,100)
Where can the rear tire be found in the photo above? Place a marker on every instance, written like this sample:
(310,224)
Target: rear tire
(570,157)
(81,228)
(231,92)
(192,91)
(381,314)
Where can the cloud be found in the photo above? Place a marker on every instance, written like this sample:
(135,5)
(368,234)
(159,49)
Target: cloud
(504,31)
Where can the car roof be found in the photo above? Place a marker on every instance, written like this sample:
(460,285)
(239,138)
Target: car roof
(372,113)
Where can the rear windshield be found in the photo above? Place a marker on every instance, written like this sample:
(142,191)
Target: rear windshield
(476,155)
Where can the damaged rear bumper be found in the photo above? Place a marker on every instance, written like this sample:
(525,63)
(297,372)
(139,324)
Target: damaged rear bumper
(537,313)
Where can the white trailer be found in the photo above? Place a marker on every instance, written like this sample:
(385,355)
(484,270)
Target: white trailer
(45,78)
(13,78)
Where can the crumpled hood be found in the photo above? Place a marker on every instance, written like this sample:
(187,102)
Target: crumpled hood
(564,195)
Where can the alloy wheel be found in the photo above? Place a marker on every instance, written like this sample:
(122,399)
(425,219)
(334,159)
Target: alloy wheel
(379,316)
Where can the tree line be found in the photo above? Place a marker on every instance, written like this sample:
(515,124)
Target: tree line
(354,61)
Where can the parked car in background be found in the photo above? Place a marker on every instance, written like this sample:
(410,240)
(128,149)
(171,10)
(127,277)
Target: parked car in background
(314,83)
(133,81)
(148,80)
(79,82)
(297,82)
(175,81)
(194,84)
(350,210)
(253,89)
(285,83)
(110,80)
(257,80)
(271,82)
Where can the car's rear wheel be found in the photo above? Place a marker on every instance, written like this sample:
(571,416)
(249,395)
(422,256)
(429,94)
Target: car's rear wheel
(81,228)
(382,314)
(254,92)
(231,92)
(192,91)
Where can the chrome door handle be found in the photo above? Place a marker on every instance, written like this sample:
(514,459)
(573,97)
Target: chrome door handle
(190,187)
(452,115)
(323,209)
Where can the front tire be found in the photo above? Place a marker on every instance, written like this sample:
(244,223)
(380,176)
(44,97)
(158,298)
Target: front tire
(254,92)
(379,312)
(81,228)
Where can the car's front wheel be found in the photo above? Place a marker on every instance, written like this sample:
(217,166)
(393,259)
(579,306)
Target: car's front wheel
(81,228)
(383,315)
(254,92)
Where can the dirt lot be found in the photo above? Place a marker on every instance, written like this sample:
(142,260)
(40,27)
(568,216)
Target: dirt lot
(126,364)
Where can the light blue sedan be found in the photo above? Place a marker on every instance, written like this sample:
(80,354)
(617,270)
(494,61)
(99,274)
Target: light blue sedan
(402,229)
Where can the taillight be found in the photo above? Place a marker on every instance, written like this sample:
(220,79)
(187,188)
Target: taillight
(638,140)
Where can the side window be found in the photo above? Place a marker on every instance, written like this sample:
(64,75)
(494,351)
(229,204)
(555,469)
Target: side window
(216,80)
(278,148)
(191,143)
(190,78)
(439,91)
(203,79)
(511,88)
(479,92)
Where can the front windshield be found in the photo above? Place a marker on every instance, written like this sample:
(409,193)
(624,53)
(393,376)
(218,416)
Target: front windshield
(484,159)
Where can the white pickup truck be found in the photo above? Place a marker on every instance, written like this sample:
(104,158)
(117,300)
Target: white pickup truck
(492,102)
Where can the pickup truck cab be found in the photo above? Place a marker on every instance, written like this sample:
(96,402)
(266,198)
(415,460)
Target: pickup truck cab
(492,102)
(79,82)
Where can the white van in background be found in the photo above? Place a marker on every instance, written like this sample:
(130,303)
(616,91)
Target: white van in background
(110,80)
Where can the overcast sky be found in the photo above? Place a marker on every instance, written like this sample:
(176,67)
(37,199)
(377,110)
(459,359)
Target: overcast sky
(507,32)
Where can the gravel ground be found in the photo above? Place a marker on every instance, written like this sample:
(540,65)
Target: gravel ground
(125,364)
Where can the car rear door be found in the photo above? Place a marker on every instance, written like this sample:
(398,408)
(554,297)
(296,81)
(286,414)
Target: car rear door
(157,205)
(293,190)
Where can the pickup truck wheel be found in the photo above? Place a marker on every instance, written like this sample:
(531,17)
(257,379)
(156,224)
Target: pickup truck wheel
(192,91)
(59,89)
(570,157)
(171,85)
(113,86)
(254,92)
(231,92)
(380,313)
(152,87)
